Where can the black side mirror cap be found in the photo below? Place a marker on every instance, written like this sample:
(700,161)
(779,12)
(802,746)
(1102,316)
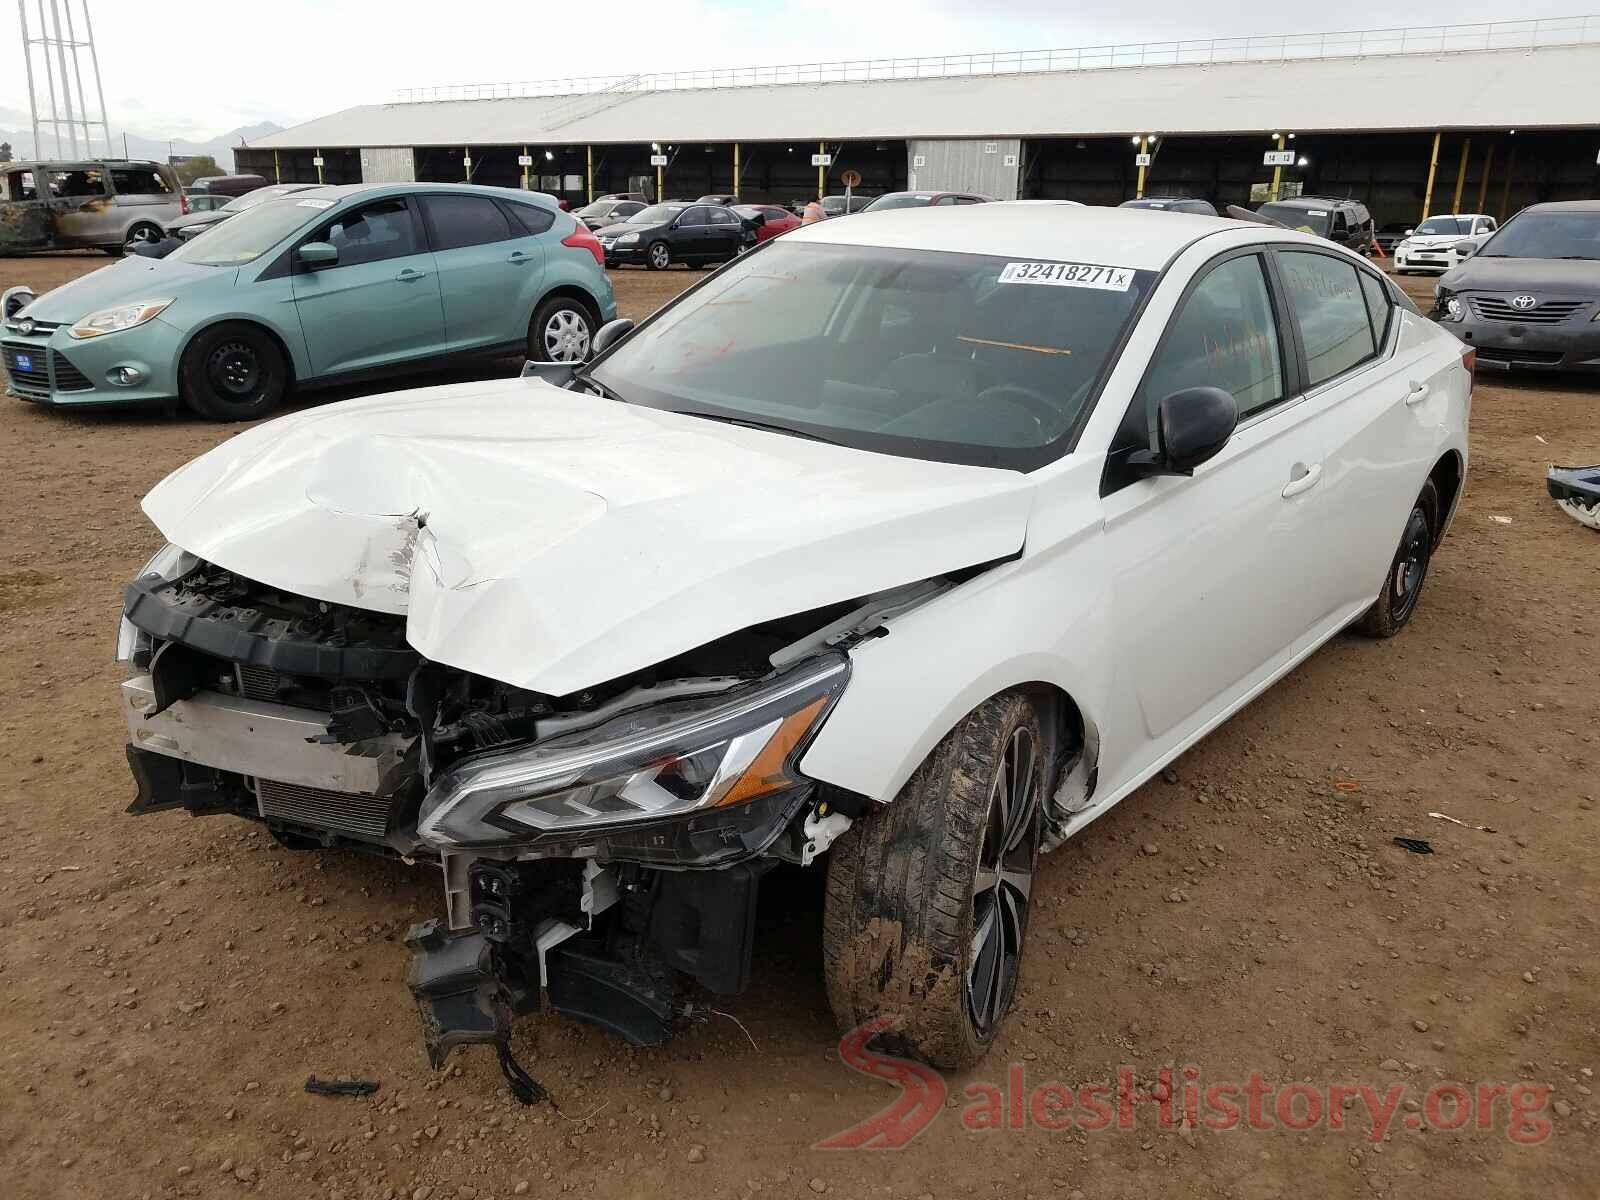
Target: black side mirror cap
(1466,249)
(1192,426)
(609,335)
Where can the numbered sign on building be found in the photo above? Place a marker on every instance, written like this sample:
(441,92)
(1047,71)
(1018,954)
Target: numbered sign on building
(1278,158)
(524,160)
(1142,160)
(658,160)
(822,160)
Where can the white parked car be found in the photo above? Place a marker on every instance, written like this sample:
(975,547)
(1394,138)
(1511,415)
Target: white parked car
(904,547)
(1431,246)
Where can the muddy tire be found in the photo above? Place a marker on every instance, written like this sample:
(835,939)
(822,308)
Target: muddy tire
(927,901)
(233,372)
(1402,588)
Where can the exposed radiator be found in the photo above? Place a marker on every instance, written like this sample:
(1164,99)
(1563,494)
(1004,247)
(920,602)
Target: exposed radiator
(340,812)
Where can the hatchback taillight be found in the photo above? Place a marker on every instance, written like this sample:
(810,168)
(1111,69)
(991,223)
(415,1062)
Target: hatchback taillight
(584,239)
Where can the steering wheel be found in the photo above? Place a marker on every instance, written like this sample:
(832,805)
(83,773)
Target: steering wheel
(1036,404)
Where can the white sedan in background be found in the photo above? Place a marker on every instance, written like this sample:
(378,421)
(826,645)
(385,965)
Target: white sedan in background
(904,546)
(1431,246)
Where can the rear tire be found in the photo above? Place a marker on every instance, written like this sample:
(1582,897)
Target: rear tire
(1402,588)
(927,901)
(659,256)
(233,372)
(562,330)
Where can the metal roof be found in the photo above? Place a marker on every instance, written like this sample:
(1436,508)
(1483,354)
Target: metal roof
(1552,87)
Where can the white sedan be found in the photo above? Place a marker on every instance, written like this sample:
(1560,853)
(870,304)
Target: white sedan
(902,547)
(1431,246)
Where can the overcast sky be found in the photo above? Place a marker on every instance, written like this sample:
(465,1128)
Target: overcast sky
(193,71)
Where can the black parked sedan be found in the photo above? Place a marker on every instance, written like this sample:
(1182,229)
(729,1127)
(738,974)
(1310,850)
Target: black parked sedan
(694,234)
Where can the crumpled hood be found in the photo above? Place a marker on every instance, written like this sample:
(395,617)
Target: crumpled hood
(555,540)
(1543,277)
(133,278)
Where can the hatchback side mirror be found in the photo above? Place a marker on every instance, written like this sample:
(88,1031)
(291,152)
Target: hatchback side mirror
(609,335)
(318,254)
(1192,425)
(1466,249)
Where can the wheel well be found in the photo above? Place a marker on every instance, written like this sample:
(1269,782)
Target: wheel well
(1446,479)
(572,292)
(1073,737)
(283,348)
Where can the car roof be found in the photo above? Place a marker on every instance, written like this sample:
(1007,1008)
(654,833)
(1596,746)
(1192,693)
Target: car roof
(340,191)
(1142,239)
(1314,202)
(1581,206)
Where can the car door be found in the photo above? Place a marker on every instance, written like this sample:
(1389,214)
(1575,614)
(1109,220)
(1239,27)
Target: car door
(486,266)
(1208,572)
(1378,385)
(725,232)
(380,303)
(26,220)
(691,236)
(87,211)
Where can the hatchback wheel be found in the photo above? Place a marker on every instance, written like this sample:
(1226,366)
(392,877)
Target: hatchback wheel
(927,901)
(562,330)
(233,372)
(659,256)
(1402,588)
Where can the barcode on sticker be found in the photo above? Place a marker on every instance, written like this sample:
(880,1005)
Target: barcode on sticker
(1064,274)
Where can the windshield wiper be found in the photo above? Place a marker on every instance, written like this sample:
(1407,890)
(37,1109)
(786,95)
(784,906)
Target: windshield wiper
(751,423)
(599,389)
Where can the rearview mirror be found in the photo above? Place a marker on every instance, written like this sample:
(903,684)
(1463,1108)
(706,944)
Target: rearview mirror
(609,335)
(1466,249)
(1192,425)
(318,254)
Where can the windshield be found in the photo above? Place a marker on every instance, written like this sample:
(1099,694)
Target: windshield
(251,234)
(259,196)
(598,209)
(656,214)
(1306,220)
(951,357)
(906,200)
(1441,226)
(1547,235)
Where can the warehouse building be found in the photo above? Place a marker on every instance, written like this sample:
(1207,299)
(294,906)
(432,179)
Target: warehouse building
(1486,117)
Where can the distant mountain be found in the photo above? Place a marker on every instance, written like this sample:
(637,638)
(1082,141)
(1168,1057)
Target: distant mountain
(15,128)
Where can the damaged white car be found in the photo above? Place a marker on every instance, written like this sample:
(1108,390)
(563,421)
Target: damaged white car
(902,547)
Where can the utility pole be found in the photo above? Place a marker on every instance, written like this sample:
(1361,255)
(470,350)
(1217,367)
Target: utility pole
(57,39)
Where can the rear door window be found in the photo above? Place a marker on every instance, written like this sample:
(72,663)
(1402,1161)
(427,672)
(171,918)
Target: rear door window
(1330,308)
(138,181)
(1380,305)
(459,221)
(77,181)
(530,219)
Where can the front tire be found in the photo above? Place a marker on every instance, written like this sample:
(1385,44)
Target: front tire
(233,372)
(562,330)
(1402,588)
(927,901)
(659,256)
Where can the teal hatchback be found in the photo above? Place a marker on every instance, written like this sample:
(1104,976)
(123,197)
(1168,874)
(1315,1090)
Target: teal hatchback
(325,286)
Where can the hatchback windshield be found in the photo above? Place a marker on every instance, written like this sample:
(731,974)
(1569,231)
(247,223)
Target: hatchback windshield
(248,236)
(1306,220)
(1440,226)
(1547,235)
(656,214)
(953,357)
(904,200)
(259,196)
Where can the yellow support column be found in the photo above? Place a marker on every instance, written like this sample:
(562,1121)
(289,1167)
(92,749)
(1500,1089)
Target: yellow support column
(1483,184)
(277,175)
(1277,174)
(1505,191)
(1461,174)
(1433,170)
(822,172)
(658,185)
(319,164)
(736,168)
(588,159)
(1144,148)
(525,171)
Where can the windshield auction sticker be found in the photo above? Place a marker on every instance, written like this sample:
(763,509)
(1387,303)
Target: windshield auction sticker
(1065,274)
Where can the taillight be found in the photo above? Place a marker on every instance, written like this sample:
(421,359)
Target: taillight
(1469,360)
(584,239)
(183,203)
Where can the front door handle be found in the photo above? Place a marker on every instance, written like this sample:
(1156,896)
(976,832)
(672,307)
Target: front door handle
(1418,393)
(410,276)
(1302,479)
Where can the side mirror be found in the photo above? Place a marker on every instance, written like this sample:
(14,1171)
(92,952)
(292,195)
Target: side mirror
(1409,232)
(318,254)
(609,335)
(1466,249)
(1192,425)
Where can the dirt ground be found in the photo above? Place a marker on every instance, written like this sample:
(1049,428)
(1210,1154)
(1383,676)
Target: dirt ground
(169,982)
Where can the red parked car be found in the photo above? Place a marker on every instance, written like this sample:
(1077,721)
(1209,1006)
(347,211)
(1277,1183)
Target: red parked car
(770,220)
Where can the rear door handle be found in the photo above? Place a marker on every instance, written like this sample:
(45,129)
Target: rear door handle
(517,256)
(1418,393)
(1304,481)
(410,276)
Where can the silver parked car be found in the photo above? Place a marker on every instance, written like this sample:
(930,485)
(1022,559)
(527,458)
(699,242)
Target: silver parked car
(104,204)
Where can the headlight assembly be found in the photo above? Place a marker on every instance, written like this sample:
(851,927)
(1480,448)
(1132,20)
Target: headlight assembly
(666,761)
(115,320)
(628,238)
(169,563)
